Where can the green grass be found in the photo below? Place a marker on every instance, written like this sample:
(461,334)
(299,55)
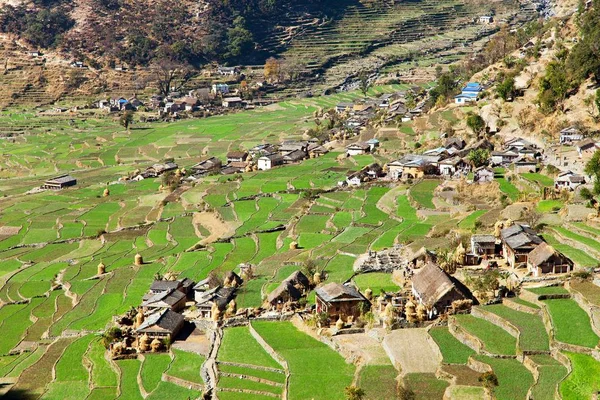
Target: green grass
(70,366)
(584,380)
(533,335)
(514,380)
(168,390)
(152,369)
(579,257)
(453,351)
(240,347)
(422,192)
(378,381)
(129,386)
(259,373)
(540,179)
(508,188)
(317,372)
(591,243)
(237,383)
(568,318)
(495,339)
(376,281)
(548,290)
(550,377)
(548,206)
(525,303)
(469,222)
(186,366)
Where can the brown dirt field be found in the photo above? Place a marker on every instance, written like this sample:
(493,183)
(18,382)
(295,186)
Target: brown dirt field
(217,228)
(464,375)
(410,349)
(363,347)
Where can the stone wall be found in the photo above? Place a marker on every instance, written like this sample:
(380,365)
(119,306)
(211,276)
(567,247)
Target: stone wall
(519,307)
(463,336)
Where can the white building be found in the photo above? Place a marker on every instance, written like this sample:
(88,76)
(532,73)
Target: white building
(269,161)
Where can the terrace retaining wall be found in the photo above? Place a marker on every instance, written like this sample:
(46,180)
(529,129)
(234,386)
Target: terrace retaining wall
(280,360)
(592,310)
(182,382)
(519,307)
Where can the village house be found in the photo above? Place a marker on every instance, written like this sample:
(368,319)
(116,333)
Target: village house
(440,152)
(570,135)
(455,143)
(483,245)
(373,143)
(483,175)
(220,88)
(586,147)
(367,173)
(163,324)
(417,259)
(262,150)
(517,242)
(413,166)
(544,259)
(60,182)
(228,71)
(517,143)
(340,301)
(172,299)
(209,166)
(213,300)
(568,180)
(236,156)
(469,93)
(436,290)
(269,161)
(344,107)
(504,157)
(290,290)
(486,19)
(454,166)
(525,164)
(356,149)
(316,150)
(235,167)
(156,170)
(294,156)
(233,102)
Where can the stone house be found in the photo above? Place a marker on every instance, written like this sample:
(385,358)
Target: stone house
(60,182)
(544,259)
(208,166)
(517,242)
(269,161)
(172,299)
(214,299)
(339,301)
(568,180)
(237,156)
(483,244)
(483,175)
(357,149)
(163,324)
(436,290)
(570,135)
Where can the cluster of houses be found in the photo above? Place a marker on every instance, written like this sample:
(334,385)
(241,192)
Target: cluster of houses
(360,112)
(447,160)
(523,155)
(520,246)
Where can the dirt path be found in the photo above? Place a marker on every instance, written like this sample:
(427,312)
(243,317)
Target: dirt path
(412,351)
(217,228)
(387,202)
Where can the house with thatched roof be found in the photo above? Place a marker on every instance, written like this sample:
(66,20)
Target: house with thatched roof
(518,241)
(163,324)
(544,259)
(436,290)
(418,258)
(284,293)
(290,290)
(232,279)
(339,301)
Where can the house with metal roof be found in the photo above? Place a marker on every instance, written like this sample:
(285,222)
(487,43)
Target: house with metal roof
(163,324)
(60,182)
(518,241)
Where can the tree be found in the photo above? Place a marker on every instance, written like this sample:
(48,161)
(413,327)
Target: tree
(489,380)
(506,90)
(406,393)
(126,119)
(240,40)
(592,168)
(170,75)
(531,216)
(364,84)
(272,70)
(354,393)
(479,157)
(476,123)
(554,87)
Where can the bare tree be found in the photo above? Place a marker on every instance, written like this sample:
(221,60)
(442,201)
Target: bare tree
(171,75)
